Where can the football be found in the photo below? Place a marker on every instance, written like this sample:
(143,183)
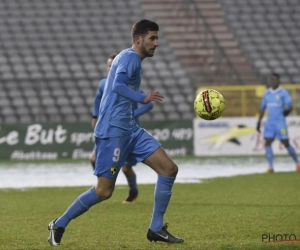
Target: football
(209,104)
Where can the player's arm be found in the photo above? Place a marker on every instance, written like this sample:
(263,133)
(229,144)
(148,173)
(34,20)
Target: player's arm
(144,108)
(260,116)
(287,111)
(120,87)
(97,101)
(261,113)
(288,104)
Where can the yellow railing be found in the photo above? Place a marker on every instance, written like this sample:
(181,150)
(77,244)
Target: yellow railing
(245,100)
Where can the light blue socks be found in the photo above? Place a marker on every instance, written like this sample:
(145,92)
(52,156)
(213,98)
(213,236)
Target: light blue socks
(269,156)
(78,207)
(162,195)
(292,153)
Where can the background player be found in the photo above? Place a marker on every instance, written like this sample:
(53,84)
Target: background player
(118,137)
(137,111)
(97,101)
(278,103)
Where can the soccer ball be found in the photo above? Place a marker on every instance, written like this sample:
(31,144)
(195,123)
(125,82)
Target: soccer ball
(209,104)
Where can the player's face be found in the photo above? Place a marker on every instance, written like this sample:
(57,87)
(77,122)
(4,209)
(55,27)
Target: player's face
(148,43)
(108,64)
(274,82)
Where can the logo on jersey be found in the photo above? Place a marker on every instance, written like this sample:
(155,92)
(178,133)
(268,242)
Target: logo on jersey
(283,131)
(113,169)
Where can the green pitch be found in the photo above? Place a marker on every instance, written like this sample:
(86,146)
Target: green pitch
(222,213)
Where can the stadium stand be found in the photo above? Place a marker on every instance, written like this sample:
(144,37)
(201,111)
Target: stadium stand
(198,33)
(53,54)
(268,32)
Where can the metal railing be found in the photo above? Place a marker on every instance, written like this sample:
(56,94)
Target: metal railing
(223,66)
(245,100)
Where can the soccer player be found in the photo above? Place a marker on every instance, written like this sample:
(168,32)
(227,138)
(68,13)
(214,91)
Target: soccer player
(137,112)
(97,101)
(278,103)
(119,138)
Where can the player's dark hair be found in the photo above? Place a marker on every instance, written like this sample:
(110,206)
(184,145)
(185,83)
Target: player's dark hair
(142,27)
(112,56)
(276,75)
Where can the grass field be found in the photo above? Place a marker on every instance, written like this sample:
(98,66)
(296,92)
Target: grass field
(221,213)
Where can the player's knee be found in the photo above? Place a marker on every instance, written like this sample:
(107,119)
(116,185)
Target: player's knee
(125,169)
(286,145)
(104,194)
(92,160)
(172,169)
(268,143)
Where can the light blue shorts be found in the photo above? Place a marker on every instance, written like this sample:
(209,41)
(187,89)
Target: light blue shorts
(278,130)
(129,162)
(111,153)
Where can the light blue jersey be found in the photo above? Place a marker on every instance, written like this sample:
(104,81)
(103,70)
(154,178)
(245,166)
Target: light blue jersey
(118,136)
(116,112)
(275,102)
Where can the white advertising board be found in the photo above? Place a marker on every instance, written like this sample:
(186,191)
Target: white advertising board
(238,136)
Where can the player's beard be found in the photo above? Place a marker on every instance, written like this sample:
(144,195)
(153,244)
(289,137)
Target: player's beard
(146,53)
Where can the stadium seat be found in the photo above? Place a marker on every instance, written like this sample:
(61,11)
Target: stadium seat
(4,102)
(273,26)
(55,64)
(10,119)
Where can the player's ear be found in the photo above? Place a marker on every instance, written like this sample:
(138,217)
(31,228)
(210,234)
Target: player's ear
(137,39)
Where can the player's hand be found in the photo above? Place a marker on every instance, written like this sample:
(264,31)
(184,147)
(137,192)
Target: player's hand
(286,112)
(154,97)
(258,127)
(94,121)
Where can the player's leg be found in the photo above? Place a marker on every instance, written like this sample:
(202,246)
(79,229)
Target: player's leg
(269,135)
(108,165)
(269,154)
(148,150)
(130,175)
(282,135)
(167,171)
(94,195)
(291,152)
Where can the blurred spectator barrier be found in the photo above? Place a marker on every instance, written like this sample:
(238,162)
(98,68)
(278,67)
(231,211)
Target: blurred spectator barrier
(50,141)
(245,100)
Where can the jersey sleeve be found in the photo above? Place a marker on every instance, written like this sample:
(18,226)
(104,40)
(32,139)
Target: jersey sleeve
(144,108)
(120,87)
(129,64)
(287,99)
(263,104)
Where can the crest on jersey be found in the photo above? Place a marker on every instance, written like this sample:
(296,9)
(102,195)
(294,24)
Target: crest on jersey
(113,169)
(277,97)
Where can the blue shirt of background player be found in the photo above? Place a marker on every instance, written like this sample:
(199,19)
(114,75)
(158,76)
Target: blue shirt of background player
(98,97)
(275,102)
(116,115)
(142,109)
